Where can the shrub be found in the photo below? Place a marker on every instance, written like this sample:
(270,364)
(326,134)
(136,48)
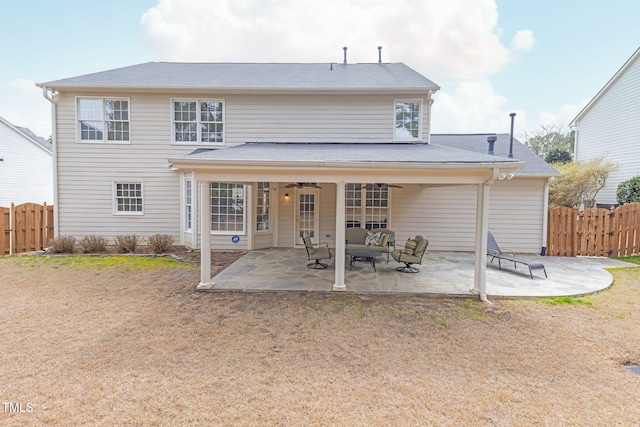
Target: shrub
(93,244)
(629,191)
(160,243)
(126,243)
(63,245)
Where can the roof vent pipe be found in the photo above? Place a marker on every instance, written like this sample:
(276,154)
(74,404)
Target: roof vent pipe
(379,54)
(345,55)
(512,115)
(491,139)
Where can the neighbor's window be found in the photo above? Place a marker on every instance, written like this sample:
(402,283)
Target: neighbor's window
(198,121)
(263,207)
(128,198)
(103,119)
(408,120)
(188,205)
(367,206)
(227,207)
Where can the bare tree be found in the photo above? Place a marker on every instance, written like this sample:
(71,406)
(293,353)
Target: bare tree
(549,139)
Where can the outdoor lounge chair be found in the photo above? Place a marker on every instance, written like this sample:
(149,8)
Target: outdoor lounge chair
(411,254)
(316,254)
(494,250)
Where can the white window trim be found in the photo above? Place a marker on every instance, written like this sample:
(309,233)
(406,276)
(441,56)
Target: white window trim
(244,216)
(198,101)
(115,198)
(420,128)
(184,205)
(104,139)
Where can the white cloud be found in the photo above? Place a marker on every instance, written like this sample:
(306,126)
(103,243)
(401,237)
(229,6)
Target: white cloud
(447,40)
(523,41)
(563,117)
(473,107)
(23,105)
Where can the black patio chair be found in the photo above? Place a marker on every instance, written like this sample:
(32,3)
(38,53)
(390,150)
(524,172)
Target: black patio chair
(494,250)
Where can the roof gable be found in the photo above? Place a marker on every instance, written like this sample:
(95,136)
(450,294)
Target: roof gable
(606,87)
(253,76)
(28,135)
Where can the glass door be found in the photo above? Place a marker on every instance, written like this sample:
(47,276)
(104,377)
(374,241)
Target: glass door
(306,214)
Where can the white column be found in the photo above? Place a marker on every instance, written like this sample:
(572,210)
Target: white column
(482,226)
(205,237)
(340,236)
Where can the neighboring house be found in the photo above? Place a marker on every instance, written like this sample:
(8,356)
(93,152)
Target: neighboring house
(26,166)
(610,126)
(278,149)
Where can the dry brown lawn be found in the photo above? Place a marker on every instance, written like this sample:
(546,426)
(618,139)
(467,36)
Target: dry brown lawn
(131,342)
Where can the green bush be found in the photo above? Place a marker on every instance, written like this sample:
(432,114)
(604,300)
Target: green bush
(629,191)
(160,243)
(63,245)
(93,244)
(126,243)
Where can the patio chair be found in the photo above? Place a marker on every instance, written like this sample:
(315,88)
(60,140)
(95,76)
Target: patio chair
(316,254)
(494,250)
(412,254)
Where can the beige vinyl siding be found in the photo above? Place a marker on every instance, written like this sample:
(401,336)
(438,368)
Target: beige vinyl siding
(611,127)
(447,215)
(26,171)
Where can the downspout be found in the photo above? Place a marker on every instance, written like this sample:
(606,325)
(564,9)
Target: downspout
(54,157)
(545,216)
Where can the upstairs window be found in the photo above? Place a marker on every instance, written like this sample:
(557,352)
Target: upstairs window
(408,120)
(103,119)
(198,121)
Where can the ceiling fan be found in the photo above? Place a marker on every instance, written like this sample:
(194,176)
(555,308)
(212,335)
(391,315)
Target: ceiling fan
(380,185)
(301,185)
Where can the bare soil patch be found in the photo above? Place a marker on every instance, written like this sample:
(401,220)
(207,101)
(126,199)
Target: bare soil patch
(96,342)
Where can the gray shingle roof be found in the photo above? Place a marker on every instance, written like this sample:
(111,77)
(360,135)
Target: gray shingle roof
(478,143)
(244,76)
(343,153)
(40,140)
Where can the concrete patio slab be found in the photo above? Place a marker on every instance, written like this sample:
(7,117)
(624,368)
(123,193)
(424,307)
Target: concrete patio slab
(449,273)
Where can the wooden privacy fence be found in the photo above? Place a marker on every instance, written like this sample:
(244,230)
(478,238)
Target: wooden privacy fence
(25,228)
(594,231)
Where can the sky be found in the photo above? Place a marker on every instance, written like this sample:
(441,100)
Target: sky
(543,59)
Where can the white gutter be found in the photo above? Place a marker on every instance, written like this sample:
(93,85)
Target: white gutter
(54,156)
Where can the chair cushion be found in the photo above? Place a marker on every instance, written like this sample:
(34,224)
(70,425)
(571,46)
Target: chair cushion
(372,239)
(410,246)
(384,239)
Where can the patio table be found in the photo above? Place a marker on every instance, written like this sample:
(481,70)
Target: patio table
(363,255)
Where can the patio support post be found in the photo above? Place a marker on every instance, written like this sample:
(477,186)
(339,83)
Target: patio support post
(205,237)
(482,226)
(340,236)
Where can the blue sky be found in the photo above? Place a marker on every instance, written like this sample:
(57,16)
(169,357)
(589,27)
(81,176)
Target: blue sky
(541,59)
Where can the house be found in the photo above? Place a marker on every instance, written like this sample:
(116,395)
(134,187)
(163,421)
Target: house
(26,166)
(609,126)
(278,149)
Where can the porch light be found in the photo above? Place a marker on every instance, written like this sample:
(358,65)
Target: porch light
(286,197)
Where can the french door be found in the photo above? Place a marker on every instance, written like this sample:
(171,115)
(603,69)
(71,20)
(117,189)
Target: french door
(307,214)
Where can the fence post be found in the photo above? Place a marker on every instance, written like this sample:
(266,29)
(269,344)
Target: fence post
(11,226)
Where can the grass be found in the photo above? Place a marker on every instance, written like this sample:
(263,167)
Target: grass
(125,263)
(564,301)
(634,259)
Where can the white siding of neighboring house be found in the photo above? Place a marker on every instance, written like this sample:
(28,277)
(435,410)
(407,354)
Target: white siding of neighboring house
(26,171)
(86,171)
(611,127)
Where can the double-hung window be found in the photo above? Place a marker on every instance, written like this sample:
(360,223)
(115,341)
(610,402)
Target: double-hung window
(227,207)
(408,120)
(103,119)
(127,198)
(367,206)
(198,121)
(263,207)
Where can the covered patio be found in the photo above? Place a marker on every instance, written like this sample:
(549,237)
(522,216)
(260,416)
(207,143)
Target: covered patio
(443,273)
